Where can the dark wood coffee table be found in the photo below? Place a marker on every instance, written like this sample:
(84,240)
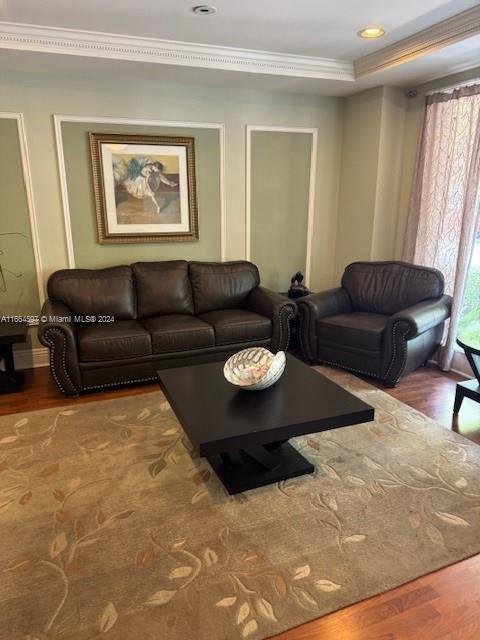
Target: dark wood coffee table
(244,434)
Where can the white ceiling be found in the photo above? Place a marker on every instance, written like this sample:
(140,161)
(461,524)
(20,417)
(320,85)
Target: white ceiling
(314,28)
(304,27)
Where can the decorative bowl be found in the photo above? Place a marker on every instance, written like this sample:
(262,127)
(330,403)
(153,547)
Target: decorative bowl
(255,368)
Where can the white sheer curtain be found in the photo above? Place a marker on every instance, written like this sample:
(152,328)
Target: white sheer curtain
(444,203)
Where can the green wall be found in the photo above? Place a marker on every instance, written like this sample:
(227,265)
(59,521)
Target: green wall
(88,252)
(40,95)
(360,151)
(18,279)
(370,176)
(280,169)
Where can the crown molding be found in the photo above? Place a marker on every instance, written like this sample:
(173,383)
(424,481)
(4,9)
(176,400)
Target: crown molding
(459,27)
(24,37)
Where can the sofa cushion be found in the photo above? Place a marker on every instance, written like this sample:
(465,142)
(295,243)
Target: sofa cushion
(238,325)
(113,341)
(389,287)
(359,330)
(179,333)
(222,285)
(95,292)
(163,288)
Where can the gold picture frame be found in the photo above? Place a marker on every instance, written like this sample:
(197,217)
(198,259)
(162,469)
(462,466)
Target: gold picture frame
(144,188)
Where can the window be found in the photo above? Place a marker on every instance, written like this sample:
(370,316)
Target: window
(469,325)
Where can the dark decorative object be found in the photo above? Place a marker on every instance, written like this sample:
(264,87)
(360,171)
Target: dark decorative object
(10,334)
(469,388)
(245,436)
(297,289)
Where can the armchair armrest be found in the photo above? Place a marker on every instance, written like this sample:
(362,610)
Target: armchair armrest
(422,316)
(326,303)
(279,309)
(56,330)
(406,325)
(314,307)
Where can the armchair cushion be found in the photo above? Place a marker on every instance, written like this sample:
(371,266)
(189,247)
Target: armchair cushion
(389,287)
(179,333)
(359,330)
(113,341)
(238,325)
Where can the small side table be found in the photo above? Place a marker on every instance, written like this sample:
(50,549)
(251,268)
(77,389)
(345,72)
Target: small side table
(11,333)
(469,388)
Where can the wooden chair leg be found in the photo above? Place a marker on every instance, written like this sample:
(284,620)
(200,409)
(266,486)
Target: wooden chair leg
(459,396)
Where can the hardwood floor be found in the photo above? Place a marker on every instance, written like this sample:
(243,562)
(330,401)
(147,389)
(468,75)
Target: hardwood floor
(444,605)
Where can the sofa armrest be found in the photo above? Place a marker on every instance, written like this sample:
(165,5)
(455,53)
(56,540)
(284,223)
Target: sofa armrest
(56,330)
(279,309)
(315,307)
(423,316)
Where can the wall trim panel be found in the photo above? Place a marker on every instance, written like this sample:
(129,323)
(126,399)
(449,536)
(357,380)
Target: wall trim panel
(32,213)
(311,188)
(58,119)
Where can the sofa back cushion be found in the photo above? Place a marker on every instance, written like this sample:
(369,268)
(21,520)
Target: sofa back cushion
(95,292)
(222,285)
(389,287)
(163,288)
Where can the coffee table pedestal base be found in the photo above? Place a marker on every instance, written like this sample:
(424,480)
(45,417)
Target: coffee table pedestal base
(259,466)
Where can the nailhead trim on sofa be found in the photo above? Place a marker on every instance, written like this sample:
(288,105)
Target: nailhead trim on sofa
(118,384)
(342,366)
(403,360)
(63,360)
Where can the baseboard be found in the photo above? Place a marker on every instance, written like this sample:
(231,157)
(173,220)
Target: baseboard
(464,373)
(461,373)
(30,358)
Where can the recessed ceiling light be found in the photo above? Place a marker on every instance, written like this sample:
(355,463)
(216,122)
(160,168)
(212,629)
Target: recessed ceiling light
(204,9)
(371,32)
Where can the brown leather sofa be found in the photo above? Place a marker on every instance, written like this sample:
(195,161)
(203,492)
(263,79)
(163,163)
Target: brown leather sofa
(385,320)
(164,314)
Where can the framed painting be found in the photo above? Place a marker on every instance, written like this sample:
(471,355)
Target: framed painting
(145,189)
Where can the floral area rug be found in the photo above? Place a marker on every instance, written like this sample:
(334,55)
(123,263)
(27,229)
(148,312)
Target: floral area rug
(111,529)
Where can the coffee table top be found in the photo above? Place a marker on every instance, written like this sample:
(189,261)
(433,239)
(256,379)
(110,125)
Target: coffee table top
(219,417)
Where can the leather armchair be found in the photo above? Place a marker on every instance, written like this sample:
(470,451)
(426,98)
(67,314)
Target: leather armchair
(385,320)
